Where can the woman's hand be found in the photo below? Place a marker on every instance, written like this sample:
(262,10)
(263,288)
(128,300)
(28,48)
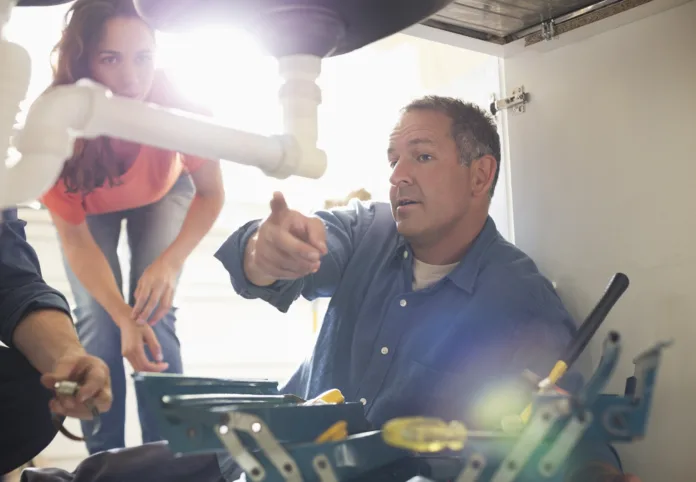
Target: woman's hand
(133,340)
(154,294)
(155,291)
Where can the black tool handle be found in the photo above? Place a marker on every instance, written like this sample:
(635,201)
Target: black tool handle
(617,286)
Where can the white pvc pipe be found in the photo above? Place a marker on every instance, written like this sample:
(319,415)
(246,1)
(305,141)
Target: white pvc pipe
(6,7)
(183,132)
(15,73)
(88,110)
(14,82)
(300,96)
(45,141)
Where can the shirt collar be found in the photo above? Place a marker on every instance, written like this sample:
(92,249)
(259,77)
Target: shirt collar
(466,273)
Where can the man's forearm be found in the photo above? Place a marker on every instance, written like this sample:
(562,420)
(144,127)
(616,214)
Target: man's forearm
(44,336)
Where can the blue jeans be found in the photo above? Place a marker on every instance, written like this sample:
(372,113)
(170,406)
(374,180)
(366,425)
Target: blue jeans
(150,230)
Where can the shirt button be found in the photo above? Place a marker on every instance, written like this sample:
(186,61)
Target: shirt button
(384,350)
(405,254)
(363,401)
(402,303)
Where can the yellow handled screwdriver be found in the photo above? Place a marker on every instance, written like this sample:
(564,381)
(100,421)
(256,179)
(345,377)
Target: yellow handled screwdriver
(329,397)
(424,434)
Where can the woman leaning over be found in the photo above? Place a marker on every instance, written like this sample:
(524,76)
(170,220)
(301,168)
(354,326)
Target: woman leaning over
(168,202)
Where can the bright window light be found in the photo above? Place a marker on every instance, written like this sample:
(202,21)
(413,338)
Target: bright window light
(226,72)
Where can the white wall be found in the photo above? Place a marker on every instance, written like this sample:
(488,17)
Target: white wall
(603,168)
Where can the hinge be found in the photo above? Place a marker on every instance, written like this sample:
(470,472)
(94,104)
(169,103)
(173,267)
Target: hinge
(516,101)
(548,30)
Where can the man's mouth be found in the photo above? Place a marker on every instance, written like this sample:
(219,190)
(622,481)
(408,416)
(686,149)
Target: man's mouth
(405,202)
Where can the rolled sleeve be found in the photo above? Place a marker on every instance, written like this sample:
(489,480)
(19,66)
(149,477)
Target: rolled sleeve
(22,288)
(280,294)
(345,228)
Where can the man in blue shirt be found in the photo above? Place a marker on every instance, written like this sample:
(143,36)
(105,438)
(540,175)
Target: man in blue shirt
(41,348)
(432,312)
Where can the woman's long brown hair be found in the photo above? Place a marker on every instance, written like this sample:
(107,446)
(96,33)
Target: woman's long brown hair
(93,163)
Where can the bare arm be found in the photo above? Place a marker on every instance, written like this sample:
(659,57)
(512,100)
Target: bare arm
(45,336)
(48,339)
(92,269)
(154,294)
(204,210)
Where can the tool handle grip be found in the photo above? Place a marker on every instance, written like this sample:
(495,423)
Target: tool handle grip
(616,288)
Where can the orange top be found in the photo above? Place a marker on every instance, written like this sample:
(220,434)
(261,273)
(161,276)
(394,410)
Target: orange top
(150,177)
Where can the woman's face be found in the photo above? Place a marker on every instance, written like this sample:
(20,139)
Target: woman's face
(123,60)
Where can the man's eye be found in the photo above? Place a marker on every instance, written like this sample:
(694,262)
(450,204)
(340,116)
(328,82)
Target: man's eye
(392,163)
(108,60)
(424,158)
(145,58)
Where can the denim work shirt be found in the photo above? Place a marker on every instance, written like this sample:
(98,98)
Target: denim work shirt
(22,288)
(440,351)
(453,350)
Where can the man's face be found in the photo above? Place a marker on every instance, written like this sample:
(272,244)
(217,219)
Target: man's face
(431,191)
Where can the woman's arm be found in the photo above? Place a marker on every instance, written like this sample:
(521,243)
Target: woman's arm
(204,210)
(91,268)
(154,294)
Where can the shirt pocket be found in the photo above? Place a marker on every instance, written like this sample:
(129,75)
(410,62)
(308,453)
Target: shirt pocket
(473,396)
(433,391)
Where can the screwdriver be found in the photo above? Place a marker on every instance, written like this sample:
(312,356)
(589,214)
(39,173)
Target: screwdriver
(424,434)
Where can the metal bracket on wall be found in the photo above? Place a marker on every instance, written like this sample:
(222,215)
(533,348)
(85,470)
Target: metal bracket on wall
(560,25)
(516,102)
(548,30)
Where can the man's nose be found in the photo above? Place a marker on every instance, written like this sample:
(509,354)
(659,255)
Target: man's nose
(401,173)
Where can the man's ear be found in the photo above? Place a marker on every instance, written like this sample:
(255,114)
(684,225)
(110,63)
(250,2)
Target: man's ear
(483,172)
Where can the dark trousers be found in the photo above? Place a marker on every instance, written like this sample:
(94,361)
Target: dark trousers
(152,462)
(25,419)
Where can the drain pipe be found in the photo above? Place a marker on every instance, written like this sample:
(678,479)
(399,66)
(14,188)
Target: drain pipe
(88,110)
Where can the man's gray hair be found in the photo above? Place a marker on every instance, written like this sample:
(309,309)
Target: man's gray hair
(473,129)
